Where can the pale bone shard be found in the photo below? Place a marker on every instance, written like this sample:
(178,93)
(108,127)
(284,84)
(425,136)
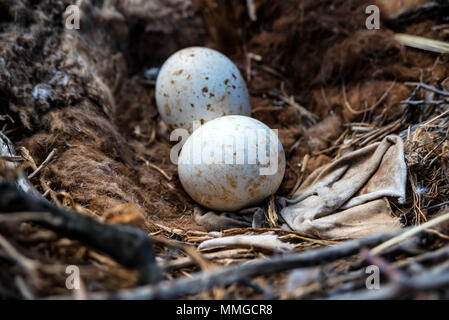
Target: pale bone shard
(267,241)
(356,184)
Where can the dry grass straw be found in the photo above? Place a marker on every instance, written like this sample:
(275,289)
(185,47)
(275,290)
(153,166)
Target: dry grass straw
(410,233)
(422,43)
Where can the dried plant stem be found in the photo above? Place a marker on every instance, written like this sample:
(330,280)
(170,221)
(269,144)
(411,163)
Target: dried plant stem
(228,275)
(410,233)
(43,164)
(129,246)
(425,282)
(422,43)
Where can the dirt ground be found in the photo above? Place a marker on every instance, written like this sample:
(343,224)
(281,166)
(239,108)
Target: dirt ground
(313,70)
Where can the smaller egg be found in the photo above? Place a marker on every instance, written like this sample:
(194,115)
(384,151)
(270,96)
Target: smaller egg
(200,84)
(231,163)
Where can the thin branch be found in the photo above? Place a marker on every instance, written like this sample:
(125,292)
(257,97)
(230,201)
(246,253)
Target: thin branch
(129,246)
(428,88)
(399,288)
(26,263)
(411,232)
(232,274)
(43,164)
(437,206)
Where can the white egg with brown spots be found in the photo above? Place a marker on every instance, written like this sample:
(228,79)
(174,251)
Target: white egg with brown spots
(200,84)
(231,163)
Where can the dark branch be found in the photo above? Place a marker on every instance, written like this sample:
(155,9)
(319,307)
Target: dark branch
(228,275)
(437,9)
(129,246)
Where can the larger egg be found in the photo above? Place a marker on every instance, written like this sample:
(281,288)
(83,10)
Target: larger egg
(200,84)
(231,163)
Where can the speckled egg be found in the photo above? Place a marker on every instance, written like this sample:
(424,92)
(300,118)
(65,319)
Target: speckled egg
(231,163)
(200,84)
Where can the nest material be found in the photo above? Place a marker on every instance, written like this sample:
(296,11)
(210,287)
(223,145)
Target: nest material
(83,93)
